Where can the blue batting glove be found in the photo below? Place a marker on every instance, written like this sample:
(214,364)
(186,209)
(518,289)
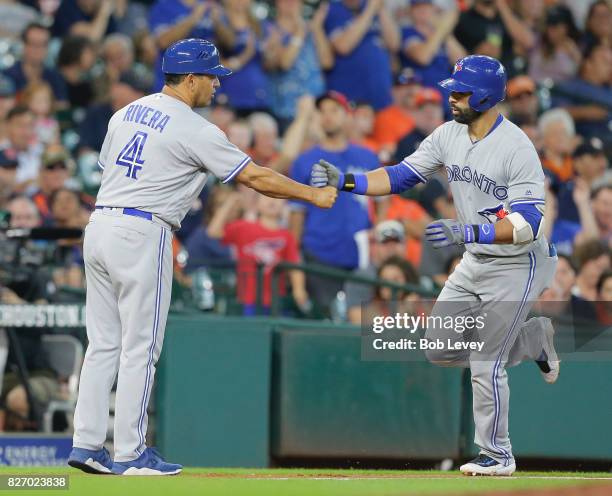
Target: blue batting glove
(325,174)
(447,232)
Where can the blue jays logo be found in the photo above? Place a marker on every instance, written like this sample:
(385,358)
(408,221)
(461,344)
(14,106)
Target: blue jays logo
(493,214)
(458,67)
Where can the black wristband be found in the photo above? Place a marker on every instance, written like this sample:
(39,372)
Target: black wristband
(476,229)
(349,182)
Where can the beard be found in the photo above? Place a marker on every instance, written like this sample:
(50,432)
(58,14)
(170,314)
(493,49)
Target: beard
(466,116)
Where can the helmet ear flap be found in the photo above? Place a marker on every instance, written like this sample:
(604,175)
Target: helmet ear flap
(480,100)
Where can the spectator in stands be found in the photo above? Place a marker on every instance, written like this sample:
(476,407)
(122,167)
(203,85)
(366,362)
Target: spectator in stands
(428,45)
(21,142)
(265,138)
(588,98)
(603,306)
(304,54)
(38,97)
(129,87)
(8,173)
(67,209)
(15,17)
(172,20)
(600,225)
(203,249)
(75,60)
(389,240)
(490,27)
(7,102)
(363,34)
(592,259)
(336,237)
(522,101)
(90,18)
(31,66)
(598,25)
(362,128)
(255,50)
(388,301)
(118,55)
(24,213)
(221,115)
(555,299)
(559,140)
(240,133)
(262,242)
(53,176)
(396,121)
(428,114)
(556,55)
(591,168)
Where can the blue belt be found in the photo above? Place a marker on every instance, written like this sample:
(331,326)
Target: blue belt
(134,212)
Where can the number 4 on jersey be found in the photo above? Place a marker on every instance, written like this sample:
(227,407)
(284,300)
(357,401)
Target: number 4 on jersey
(131,155)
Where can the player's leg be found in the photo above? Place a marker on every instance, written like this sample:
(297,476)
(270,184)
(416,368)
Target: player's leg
(457,299)
(509,288)
(102,356)
(145,284)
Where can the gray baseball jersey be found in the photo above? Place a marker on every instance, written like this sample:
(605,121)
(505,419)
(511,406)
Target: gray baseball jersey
(157,155)
(487,177)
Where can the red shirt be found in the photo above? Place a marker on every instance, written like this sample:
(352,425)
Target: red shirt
(254,244)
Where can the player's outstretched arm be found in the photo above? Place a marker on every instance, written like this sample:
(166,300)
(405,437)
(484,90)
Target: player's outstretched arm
(374,183)
(271,183)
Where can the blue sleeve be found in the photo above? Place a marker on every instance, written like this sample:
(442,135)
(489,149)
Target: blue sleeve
(531,214)
(402,177)
(335,18)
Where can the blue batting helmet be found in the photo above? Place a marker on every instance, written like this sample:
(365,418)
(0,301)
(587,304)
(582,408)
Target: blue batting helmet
(193,56)
(484,77)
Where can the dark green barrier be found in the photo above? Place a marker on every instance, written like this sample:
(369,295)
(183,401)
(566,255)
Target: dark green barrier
(329,403)
(213,391)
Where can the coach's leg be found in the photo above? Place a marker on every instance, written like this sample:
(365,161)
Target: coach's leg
(104,335)
(143,305)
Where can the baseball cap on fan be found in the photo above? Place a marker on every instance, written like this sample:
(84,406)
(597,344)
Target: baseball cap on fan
(520,85)
(427,95)
(389,230)
(337,97)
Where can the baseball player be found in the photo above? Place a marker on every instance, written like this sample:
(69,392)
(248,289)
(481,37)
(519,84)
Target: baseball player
(156,157)
(497,184)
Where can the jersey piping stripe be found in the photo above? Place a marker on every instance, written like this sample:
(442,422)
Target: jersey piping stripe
(143,406)
(532,266)
(527,202)
(101,165)
(413,169)
(238,168)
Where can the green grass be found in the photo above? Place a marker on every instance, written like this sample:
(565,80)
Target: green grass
(301,482)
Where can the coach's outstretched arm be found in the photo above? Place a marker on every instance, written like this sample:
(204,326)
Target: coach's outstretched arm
(271,183)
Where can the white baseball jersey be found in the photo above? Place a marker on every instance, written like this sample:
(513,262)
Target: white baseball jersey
(157,155)
(487,177)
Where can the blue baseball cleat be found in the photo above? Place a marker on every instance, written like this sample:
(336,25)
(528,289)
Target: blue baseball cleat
(149,463)
(91,461)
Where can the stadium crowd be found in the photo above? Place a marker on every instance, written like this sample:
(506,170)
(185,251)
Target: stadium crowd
(351,81)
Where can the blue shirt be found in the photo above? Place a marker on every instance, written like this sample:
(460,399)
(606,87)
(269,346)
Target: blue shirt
(248,88)
(364,75)
(329,233)
(439,67)
(68,14)
(165,14)
(51,76)
(304,77)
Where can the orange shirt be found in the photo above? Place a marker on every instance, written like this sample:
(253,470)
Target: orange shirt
(391,125)
(403,209)
(564,172)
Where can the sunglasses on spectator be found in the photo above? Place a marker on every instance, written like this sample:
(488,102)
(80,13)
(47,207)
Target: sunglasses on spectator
(55,166)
